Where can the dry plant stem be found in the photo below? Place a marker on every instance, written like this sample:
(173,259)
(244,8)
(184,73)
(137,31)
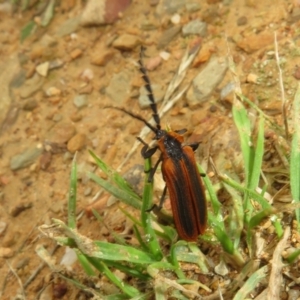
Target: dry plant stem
(281,87)
(39,268)
(275,281)
(18,279)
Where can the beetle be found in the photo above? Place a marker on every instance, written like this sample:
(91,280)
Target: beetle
(179,170)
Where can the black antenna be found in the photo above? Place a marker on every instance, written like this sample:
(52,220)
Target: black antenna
(149,89)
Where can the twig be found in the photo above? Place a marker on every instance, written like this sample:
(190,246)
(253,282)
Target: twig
(277,265)
(12,270)
(283,107)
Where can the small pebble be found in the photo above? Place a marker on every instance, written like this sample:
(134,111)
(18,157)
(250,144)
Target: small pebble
(53,91)
(242,21)
(80,101)
(175,19)
(6,252)
(87,75)
(77,142)
(76,53)
(164,55)
(87,191)
(20,207)
(42,69)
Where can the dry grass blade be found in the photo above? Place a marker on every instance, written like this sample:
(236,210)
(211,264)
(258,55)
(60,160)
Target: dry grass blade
(281,87)
(18,279)
(275,281)
(168,102)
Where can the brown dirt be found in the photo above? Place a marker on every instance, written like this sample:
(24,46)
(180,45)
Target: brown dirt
(33,195)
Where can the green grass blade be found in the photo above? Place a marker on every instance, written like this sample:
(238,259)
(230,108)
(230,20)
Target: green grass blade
(295,154)
(119,193)
(101,267)
(146,217)
(99,249)
(251,283)
(114,176)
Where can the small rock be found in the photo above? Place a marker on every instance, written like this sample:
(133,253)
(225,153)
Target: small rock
(77,142)
(241,21)
(55,64)
(252,78)
(202,57)
(45,160)
(297,73)
(87,191)
(6,252)
(227,90)
(167,36)
(86,89)
(25,159)
(87,75)
(59,290)
(57,117)
(195,27)
(54,148)
(101,57)
(76,53)
(153,63)
(3,226)
(167,7)
(119,87)
(192,7)
(175,19)
(69,26)
(53,91)
(256,42)
(126,42)
(42,69)
(30,105)
(20,207)
(80,101)
(206,81)
(76,117)
(99,12)
(61,133)
(164,55)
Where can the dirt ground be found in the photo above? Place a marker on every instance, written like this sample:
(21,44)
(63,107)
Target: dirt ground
(55,85)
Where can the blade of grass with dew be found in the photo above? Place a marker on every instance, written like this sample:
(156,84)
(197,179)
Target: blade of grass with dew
(114,176)
(119,193)
(103,269)
(295,154)
(146,217)
(251,283)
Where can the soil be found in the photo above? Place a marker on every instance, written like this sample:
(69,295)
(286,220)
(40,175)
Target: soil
(55,114)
